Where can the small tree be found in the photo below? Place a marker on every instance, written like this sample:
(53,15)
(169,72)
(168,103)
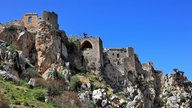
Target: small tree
(175,69)
(178,71)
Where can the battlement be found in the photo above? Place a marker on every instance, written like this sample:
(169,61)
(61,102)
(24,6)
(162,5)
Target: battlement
(115,49)
(130,51)
(125,52)
(30,14)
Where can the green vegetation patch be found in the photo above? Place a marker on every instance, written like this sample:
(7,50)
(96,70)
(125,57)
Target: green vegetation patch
(20,95)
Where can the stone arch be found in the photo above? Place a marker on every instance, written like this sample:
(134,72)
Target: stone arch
(86,45)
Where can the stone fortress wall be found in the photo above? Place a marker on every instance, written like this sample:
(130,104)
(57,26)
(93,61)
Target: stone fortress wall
(117,61)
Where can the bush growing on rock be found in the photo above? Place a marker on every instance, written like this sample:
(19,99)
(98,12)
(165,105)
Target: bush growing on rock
(75,83)
(11,28)
(56,87)
(39,95)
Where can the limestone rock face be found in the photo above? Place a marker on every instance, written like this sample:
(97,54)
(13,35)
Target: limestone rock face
(25,42)
(97,96)
(176,91)
(19,38)
(6,36)
(50,46)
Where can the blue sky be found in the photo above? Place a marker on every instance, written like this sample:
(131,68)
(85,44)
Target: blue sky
(159,30)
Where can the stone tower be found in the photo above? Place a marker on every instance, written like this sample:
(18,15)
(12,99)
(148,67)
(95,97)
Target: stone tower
(30,20)
(51,17)
(92,53)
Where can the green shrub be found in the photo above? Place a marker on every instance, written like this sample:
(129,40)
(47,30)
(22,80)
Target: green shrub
(12,47)
(22,83)
(94,87)
(11,28)
(39,95)
(74,82)
(182,98)
(89,104)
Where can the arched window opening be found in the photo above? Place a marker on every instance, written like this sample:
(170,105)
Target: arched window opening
(48,18)
(30,19)
(87,45)
(117,55)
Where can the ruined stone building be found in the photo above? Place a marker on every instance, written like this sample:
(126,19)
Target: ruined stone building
(92,55)
(30,20)
(116,64)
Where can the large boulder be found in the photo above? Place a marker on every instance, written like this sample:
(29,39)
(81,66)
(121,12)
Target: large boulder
(84,96)
(37,82)
(9,74)
(97,96)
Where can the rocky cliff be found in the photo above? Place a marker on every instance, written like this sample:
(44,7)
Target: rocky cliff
(121,82)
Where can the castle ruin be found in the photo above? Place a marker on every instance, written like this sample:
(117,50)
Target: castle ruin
(116,64)
(31,20)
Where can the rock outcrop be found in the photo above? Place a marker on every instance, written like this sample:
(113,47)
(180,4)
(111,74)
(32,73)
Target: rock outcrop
(50,46)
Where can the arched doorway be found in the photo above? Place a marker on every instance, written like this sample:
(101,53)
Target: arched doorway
(86,45)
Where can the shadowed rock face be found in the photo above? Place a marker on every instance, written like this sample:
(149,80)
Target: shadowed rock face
(18,37)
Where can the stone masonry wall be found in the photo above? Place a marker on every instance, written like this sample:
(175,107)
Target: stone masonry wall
(30,20)
(92,53)
(117,64)
(51,17)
